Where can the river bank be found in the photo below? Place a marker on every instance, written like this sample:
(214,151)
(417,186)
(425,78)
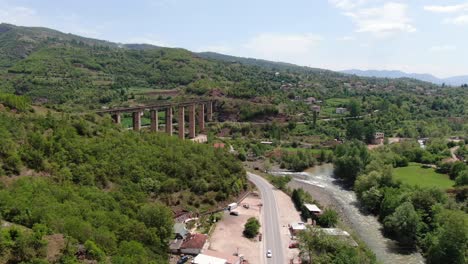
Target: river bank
(319,182)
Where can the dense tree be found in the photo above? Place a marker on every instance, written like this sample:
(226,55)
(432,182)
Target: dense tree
(449,242)
(328,218)
(350,159)
(317,247)
(251,227)
(403,224)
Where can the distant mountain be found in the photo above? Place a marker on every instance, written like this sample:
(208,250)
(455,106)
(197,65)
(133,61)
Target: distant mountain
(455,81)
(272,65)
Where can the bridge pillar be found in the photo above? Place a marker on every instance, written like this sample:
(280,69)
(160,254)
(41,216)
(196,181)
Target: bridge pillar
(192,121)
(209,111)
(181,122)
(201,117)
(117,118)
(169,120)
(154,120)
(137,120)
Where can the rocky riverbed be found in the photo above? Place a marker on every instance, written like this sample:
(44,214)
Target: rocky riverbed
(323,187)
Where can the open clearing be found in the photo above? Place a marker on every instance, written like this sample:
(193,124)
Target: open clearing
(414,174)
(227,236)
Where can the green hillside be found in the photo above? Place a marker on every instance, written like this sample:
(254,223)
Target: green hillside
(111,190)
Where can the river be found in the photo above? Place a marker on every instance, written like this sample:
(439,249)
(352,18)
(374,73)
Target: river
(320,183)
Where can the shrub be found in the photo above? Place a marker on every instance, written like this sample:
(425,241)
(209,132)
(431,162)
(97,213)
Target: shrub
(329,218)
(251,228)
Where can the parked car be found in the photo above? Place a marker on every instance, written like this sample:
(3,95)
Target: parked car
(234,213)
(269,254)
(294,245)
(183,259)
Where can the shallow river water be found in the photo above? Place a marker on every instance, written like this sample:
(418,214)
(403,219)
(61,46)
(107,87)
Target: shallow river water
(319,181)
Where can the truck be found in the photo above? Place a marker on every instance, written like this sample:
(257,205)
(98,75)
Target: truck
(232,206)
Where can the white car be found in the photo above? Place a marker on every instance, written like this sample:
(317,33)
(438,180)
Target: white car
(269,255)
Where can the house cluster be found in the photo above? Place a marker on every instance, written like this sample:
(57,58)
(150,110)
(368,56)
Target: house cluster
(314,211)
(196,245)
(314,103)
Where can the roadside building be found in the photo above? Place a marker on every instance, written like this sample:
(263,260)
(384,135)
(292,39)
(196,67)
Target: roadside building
(341,110)
(175,245)
(193,244)
(230,258)
(341,234)
(205,259)
(313,209)
(295,228)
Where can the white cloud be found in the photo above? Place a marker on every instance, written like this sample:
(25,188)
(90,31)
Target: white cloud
(347,4)
(382,21)
(442,48)
(459,20)
(347,38)
(19,15)
(283,47)
(447,8)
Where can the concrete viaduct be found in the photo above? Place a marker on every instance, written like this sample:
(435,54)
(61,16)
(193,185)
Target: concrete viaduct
(196,110)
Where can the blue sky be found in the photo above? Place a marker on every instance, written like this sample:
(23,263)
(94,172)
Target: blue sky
(419,36)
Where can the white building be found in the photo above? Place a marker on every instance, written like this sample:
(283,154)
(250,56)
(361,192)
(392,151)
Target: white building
(341,110)
(313,208)
(205,259)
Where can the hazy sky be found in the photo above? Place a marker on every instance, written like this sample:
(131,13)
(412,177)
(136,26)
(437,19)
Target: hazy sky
(414,35)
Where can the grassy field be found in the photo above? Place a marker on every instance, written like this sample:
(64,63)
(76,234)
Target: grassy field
(414,174)
(329,109)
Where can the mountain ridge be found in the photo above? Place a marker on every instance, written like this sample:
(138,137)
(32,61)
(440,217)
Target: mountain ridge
(394,74)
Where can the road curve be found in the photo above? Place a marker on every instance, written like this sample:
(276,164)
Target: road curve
(270,221)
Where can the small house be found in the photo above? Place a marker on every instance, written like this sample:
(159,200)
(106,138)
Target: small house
(341,110)
(310,100)
(341,234)
(205,259)
(193,244)
(315,108)
(313,209)
(378,138)
(295,228)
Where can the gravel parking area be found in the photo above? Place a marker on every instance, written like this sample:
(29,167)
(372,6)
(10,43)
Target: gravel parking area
(227,236)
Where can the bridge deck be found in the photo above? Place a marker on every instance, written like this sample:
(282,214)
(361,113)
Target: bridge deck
(151,107)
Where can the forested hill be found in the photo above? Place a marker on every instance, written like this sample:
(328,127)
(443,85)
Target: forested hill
(109,192)
(57,69)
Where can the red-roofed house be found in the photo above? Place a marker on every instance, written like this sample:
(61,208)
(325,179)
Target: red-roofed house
(218,145)
(193,244)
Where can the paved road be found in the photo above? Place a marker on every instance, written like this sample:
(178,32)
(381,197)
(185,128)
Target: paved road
(270,223)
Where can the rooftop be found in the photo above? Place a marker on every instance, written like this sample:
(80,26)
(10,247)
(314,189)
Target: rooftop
(179,228)
(205,259)
(312,208)
(335,232)
(298,226)
(194,241)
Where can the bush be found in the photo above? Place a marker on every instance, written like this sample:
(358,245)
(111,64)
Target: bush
(329,218)
(93,251)
(251,228)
